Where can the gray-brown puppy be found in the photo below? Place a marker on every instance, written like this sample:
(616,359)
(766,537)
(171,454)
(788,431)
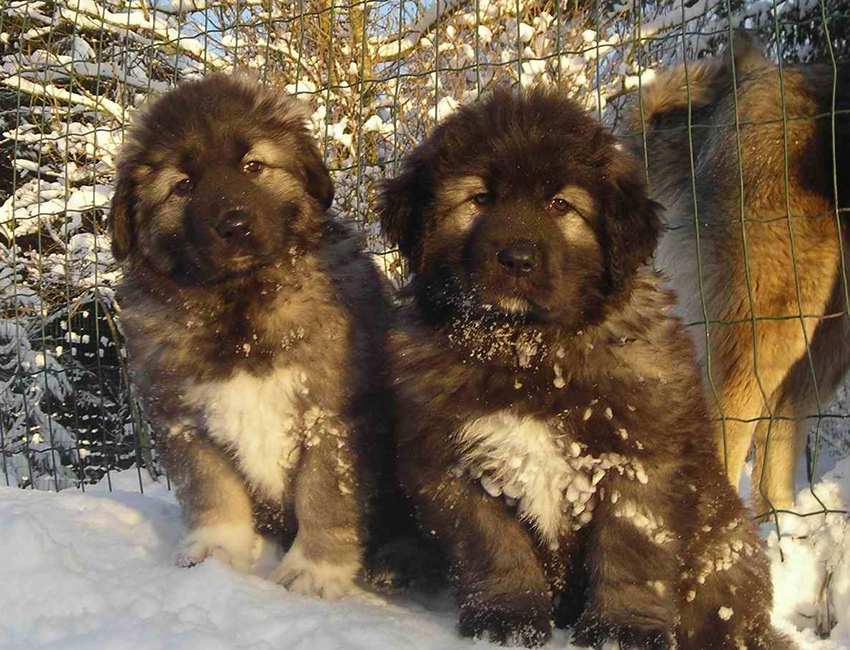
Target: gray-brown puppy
(552,430)
(768,283)
(255,328)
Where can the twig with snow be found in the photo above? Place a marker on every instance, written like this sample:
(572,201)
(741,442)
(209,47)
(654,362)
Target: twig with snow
(49,91)
(161,28)
(678,15)
(404,44)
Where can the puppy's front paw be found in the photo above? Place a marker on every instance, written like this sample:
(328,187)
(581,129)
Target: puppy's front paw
(515,619)
(232,545)
(308,577)
(639,633)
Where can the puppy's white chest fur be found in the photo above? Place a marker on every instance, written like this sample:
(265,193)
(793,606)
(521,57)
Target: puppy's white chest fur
(259,420)
(533,465)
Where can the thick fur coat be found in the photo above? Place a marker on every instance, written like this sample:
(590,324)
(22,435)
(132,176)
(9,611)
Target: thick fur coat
(255,328)
(554,436)
(765,268)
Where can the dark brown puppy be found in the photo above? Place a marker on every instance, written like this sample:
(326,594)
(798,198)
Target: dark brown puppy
(554,434)
(255,328)
(765,267)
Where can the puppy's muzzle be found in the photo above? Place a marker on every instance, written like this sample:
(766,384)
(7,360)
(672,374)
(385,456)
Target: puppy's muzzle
(519,258)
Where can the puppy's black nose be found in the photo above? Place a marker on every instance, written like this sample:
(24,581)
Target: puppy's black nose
(520,258)
(234,225)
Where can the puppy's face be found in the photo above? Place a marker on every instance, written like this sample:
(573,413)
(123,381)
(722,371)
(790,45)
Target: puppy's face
(516,248)
(218,179)
(520,208)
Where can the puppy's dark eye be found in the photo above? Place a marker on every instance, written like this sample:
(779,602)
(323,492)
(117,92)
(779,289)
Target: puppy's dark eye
(253,167)
(482,199)
(561,206)
(183,187)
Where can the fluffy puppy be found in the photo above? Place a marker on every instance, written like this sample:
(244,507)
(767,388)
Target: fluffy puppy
(255,328)
(553,433)
(765,268)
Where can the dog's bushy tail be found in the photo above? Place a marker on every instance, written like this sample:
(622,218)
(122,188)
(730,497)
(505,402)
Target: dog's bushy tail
(664,102)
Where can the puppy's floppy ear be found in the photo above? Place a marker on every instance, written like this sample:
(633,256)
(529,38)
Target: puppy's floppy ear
(632,222)
(122,217)
(401,204)
(294,114)
(319,183)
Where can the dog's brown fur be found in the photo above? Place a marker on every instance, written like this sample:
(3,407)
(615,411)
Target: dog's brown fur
(757,280)
(552,431)
(255,328)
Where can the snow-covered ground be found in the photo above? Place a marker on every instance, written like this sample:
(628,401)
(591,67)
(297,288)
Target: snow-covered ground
(94,571)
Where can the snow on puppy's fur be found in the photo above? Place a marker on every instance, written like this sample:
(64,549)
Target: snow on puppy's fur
(552,430)
(255,328)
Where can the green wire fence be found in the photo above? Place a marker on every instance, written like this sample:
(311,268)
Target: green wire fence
(378,74)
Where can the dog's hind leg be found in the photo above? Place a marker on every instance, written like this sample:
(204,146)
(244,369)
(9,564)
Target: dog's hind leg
(735,418)
(752,361)
(780,443)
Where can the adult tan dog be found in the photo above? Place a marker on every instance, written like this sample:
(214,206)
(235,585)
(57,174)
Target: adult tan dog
(255,328)
(766,271)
